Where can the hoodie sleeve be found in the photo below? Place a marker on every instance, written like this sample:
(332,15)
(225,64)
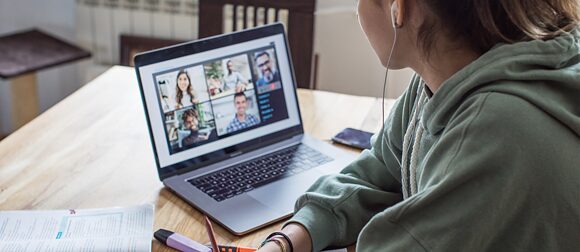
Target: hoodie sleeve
(337,206)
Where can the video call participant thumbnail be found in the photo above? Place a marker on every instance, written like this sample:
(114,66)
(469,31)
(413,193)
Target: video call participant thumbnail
(184,95)
(193,137)
(234,80)
(269,73)
(241,118)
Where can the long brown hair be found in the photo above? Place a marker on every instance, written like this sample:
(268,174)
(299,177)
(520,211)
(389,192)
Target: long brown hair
(189,90)
(485,23)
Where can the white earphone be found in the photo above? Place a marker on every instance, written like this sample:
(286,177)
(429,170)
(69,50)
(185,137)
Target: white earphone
(394,14)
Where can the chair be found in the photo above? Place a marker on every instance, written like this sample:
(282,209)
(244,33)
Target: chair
(300,27)
(131,45)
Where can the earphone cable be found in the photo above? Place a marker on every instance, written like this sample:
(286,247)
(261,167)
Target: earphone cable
(386,78)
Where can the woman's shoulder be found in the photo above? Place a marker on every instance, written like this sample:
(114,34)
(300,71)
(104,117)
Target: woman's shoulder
(499,114)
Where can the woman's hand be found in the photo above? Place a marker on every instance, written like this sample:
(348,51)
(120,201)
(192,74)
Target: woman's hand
(299,236)
(270,247)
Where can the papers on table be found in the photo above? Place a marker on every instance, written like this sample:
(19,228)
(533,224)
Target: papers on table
(106,229)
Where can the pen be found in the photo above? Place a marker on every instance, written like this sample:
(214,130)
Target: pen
(179,242)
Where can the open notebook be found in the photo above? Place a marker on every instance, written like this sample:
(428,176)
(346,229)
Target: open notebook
(106,229)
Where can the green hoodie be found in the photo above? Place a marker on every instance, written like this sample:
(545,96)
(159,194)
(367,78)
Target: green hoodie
(490,162)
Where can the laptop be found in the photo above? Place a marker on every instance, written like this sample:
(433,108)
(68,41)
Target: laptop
(226,130)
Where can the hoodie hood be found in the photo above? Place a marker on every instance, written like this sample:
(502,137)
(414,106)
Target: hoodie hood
(544,73)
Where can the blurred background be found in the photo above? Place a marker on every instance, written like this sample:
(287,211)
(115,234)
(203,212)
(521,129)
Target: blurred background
(345,62)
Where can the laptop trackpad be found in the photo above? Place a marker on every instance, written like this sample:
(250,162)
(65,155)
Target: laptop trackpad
(281,195)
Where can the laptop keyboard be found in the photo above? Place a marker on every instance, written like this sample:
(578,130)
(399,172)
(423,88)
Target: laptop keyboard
(247,176)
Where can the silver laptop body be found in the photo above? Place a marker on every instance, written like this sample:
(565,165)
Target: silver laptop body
(234,147)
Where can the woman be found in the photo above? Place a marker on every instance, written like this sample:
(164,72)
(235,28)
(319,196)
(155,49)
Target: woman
(184,86)
(481,153)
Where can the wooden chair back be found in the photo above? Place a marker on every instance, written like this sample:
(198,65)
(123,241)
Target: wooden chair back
(250,13)
(130,45)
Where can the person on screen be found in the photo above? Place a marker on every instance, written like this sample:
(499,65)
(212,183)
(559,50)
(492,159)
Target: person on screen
(184,95)
(269,73)
(241,118)
(190,120)
(233,80)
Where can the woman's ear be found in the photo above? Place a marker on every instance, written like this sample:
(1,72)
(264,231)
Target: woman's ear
(398,13)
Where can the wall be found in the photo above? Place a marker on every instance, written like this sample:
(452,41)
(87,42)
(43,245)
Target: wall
(56,17)
(347,63)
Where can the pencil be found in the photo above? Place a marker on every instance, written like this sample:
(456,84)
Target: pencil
(211,235)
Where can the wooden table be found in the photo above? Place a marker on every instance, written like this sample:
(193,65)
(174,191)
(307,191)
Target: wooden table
(92,150)
(24,53)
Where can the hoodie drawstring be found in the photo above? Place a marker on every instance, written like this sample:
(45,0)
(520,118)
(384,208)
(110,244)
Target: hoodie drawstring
(414,130)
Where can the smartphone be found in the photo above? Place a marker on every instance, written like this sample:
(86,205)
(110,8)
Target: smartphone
(354,138)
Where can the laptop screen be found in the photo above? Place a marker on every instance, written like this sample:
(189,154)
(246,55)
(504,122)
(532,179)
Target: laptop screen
(207,103)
